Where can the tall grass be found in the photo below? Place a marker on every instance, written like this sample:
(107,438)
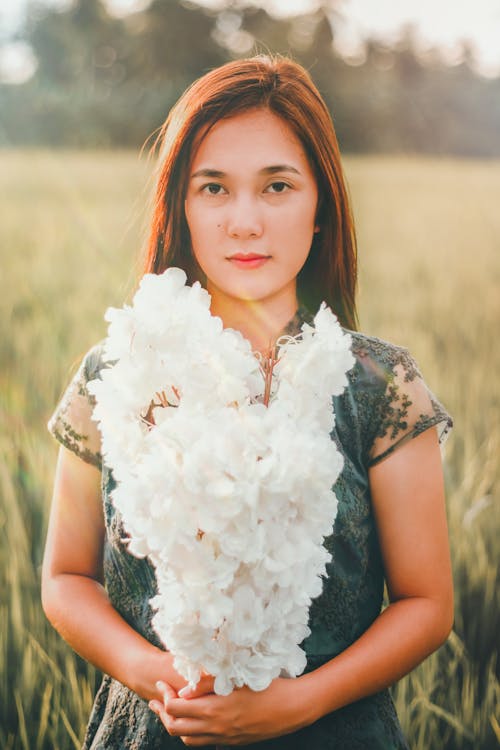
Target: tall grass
(429,231)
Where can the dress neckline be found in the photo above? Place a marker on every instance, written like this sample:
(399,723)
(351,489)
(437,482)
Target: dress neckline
(294,325)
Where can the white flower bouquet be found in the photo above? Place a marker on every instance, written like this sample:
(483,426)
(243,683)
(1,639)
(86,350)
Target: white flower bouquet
(228,493)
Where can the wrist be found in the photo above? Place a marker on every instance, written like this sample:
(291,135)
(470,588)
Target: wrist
(309,705)
(299,703)
(149,665)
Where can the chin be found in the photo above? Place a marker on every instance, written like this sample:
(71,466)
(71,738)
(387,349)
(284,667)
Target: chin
(251,292)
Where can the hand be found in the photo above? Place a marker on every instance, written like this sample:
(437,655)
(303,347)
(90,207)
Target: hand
(204,686)
(243,717)
(156,696)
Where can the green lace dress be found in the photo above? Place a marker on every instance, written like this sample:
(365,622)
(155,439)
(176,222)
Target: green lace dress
(386,404)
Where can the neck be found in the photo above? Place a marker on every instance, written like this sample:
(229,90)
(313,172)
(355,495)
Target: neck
(261,322)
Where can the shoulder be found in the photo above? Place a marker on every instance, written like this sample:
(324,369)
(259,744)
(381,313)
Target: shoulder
(388,399)
(72,422)
(377,362)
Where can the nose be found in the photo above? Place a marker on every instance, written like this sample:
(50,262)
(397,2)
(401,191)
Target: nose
(244,218)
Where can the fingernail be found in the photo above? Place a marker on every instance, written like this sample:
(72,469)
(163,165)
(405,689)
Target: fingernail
(160,685)
(153,706)
(185,691)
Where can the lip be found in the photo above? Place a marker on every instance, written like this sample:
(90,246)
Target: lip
(248,260)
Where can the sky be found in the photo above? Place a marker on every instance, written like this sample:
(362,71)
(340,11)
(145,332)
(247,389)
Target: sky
(442,23)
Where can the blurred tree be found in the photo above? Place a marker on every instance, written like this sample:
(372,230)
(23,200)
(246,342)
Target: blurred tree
(77,46)
(109,81)
(270,34)
(172,41)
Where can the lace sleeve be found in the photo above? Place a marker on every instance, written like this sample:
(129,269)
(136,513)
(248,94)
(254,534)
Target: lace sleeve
(71,423)
(405,409)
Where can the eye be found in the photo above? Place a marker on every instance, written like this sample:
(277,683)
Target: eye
(278,187)
(212,188)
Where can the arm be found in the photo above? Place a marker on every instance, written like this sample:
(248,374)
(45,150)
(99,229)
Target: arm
(73,596)
(408,501)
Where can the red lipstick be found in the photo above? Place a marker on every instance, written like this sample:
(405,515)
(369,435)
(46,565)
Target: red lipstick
(248,260)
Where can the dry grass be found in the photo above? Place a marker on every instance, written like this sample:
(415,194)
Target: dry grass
(430,264)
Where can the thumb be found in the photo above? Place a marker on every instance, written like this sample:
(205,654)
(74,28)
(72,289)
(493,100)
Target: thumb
(203,687)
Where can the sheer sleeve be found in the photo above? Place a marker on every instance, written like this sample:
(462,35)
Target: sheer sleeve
(71,423)
(404,409)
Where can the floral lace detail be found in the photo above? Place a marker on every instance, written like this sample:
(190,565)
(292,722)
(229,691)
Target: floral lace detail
(393,402)
(71,423)
(74,441)
(389,400)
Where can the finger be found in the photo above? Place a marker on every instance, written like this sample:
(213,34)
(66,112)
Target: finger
(180,724)
(159,709)
(155,706)
(195,708)
(203,687)
(183,727)
(167,692)
(175,727)
(201,740)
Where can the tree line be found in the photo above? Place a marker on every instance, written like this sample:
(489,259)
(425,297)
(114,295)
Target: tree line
(109,82)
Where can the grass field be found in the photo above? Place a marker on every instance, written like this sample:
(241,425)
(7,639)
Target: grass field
(429,236)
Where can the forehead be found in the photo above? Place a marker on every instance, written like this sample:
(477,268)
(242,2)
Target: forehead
(256,138)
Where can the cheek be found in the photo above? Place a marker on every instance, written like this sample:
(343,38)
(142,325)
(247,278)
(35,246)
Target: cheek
(298,224)
(199,214)
(204,236)
(301,213)
(198,225)
(190,216)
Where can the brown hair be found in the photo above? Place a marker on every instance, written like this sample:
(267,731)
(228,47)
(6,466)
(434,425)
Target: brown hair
(286,89)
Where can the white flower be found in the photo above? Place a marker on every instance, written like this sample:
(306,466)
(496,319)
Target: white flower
(229,500)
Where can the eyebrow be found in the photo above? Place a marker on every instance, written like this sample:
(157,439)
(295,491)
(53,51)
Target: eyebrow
(273,169)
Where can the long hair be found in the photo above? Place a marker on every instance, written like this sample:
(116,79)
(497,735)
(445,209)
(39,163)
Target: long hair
(286,89)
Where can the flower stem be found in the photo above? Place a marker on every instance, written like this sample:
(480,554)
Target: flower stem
(267,367)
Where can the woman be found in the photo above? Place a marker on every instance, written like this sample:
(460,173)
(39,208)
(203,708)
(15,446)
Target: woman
(251,201)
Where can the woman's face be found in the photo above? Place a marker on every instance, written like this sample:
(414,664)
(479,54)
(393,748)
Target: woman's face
(250,207)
